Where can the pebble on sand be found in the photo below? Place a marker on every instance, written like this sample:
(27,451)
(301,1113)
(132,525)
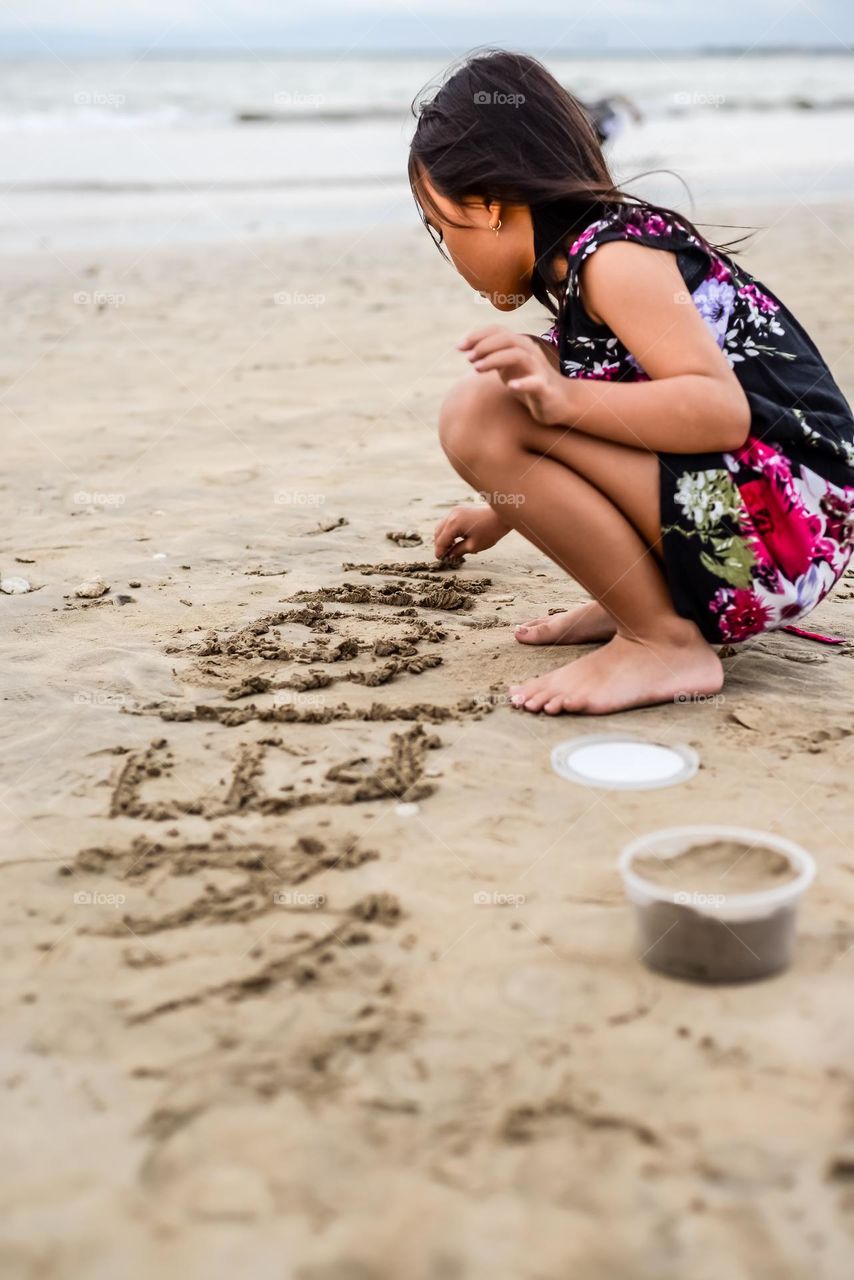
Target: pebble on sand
(13,586)
(92,588)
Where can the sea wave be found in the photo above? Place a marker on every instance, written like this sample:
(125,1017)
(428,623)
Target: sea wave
(290,183)
(122,117)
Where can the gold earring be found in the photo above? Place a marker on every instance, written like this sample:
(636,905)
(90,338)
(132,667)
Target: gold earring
(496,229)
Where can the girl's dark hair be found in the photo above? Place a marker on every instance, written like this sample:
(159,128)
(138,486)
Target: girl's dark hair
(501,127)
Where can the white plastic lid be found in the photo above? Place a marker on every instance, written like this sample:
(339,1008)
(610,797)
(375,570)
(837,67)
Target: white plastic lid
(623,762)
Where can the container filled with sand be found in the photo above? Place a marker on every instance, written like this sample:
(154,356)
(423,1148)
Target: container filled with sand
(716,904)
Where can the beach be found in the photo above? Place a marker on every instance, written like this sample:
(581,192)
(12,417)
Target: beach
(313,967)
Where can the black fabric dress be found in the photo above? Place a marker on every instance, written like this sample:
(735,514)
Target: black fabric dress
(755,538)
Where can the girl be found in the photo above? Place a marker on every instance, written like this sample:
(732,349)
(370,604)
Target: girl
(675,442)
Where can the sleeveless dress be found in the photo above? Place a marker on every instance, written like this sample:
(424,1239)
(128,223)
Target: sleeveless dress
(752,539)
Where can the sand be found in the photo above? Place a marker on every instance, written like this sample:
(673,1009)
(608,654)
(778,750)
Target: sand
(313,968)
(718,867)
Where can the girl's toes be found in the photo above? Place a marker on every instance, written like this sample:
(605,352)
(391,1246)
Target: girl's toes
(537,700)
(554,705)
(519,693)
(548,630)
(529,632)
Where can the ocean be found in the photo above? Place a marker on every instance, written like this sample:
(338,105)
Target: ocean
(151,150)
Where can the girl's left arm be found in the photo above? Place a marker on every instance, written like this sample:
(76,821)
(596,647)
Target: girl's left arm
(693,402)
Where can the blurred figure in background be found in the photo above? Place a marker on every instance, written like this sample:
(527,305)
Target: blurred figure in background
(609,115)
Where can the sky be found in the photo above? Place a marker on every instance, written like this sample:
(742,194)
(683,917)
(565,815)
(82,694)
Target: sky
(77,27)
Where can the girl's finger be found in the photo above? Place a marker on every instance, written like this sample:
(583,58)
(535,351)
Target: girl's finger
(498,341)
(476,334)
(448,537)
(508,360)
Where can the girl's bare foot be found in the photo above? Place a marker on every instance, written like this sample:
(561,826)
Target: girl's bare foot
(584,625)
(626,673)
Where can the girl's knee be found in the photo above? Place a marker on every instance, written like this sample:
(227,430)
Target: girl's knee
(474,427)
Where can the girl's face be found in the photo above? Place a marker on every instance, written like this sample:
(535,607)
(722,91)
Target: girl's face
(499,266)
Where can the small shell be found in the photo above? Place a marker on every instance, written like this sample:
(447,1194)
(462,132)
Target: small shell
(14,586)
(91,588)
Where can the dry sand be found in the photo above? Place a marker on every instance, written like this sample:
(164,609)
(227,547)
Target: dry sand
(313,968)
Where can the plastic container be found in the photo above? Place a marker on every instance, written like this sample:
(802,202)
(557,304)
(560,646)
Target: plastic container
(715,936)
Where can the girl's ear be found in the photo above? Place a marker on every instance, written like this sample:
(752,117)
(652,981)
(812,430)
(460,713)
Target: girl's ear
(494,210)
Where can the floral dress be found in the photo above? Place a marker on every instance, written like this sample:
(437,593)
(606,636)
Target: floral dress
(754,538)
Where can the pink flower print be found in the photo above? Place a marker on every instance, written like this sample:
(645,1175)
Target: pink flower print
(759,456)
(632,231)
(742,613)
(720,271)
(759,300)
(838,511)
(582,239)
(602,370)
(788,533)
(655,225)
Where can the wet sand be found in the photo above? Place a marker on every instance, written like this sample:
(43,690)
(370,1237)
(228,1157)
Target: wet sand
(314,969)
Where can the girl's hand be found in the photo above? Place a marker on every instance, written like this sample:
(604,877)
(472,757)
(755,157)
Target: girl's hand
(467,530)
(524,368)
